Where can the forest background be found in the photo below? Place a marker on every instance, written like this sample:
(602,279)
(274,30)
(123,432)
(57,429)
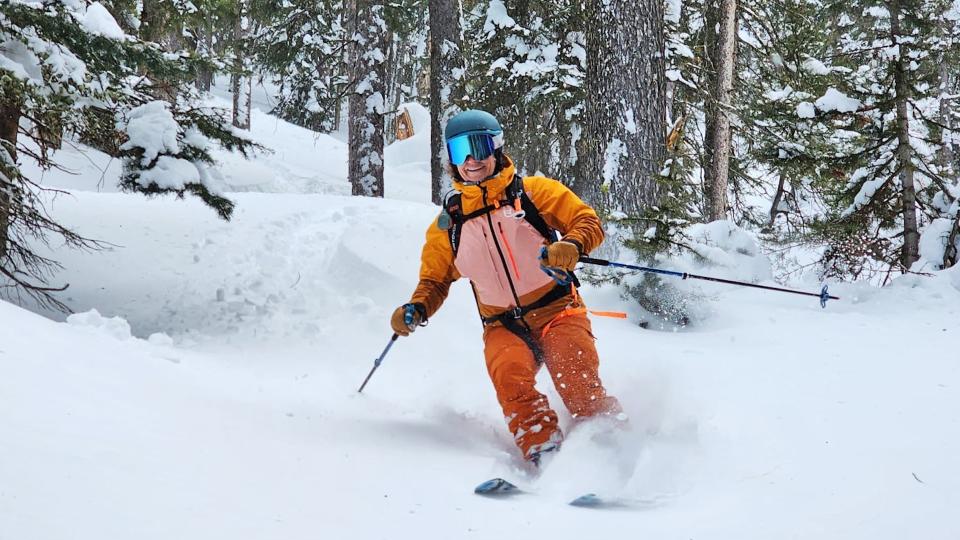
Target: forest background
(826,129)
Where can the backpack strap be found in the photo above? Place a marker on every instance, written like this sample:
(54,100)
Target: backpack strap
(452,220)
(455,218)
(530,212)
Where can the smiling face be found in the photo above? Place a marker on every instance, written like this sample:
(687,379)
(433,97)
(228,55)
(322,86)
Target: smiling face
(477,171)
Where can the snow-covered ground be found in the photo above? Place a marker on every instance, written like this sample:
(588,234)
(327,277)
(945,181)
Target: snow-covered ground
(212,394)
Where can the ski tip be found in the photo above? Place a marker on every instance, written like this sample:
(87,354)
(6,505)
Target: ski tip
(494,486)
(588,501)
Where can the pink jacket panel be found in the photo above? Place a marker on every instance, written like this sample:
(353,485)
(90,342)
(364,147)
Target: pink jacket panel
(478,258)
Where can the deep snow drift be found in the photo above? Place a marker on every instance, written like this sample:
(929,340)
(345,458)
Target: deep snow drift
(213,392)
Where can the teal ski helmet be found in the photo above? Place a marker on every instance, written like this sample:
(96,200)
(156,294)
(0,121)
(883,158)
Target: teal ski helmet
(472,133)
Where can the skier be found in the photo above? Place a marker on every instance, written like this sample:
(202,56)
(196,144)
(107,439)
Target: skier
(493,230)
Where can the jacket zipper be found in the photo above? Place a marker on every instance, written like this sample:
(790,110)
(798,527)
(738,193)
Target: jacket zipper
(503,260)
(506,244)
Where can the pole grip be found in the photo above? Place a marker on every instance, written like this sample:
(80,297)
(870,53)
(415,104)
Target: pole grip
(591,260)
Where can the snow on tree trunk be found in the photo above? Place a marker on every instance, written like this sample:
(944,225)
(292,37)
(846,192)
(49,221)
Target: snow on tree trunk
(622,144)
(446,72)
(367,102)
(718,167)
(241,82)
(911,231)
(242,88)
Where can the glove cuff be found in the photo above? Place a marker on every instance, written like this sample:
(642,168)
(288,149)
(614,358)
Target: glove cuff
(574,242)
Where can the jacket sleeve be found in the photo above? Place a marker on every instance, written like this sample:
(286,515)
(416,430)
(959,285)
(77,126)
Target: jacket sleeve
(564,211)
(437,271)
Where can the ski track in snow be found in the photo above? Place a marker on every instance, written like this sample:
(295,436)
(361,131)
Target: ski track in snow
(771,418)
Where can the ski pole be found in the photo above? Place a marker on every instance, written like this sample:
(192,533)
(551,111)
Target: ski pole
(408,313)
(823,294)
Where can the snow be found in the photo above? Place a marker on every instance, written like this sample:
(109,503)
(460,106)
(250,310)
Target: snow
(815,67)
(212,392)
(779,95)
(20,61)
(612,158)
(878,12)
(672,11)
(834,100)
(934,240)
(629,122)
(151,126)
(497,17)
(806,109)
(865,194)
(97,20)
(170,173)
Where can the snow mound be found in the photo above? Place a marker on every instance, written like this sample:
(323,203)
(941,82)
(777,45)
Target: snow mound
(115,327)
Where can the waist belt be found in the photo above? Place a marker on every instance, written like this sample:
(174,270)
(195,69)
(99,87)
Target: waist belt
(513,319)
(510,317)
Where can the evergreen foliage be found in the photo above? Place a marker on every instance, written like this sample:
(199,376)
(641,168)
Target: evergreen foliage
(59,62)
(526,65)
(303,45)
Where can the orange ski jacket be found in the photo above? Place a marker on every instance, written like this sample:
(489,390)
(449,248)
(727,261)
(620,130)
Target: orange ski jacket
(503,263)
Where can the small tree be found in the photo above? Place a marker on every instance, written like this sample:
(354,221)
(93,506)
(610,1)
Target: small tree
(303,45)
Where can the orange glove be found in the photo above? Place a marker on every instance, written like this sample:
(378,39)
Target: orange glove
(402,323)
(562,254)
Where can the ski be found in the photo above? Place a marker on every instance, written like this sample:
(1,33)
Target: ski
(500,488)
(497,487)
(592,500)
(589,500)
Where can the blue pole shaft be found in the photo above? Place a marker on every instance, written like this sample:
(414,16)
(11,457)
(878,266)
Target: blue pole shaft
(376,363)
(683,275)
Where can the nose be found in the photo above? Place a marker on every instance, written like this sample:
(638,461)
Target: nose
(470,161)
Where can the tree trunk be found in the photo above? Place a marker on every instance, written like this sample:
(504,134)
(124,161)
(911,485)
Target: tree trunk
(911,231)
(716,175)
(9,126)
(156,26)
(242,83)
(946,153)
(367,102)
(950,254)
(775,206)
(205,45)
(446,72)
(622,146)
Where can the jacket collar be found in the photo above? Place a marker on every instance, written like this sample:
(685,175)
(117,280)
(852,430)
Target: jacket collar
(480,194)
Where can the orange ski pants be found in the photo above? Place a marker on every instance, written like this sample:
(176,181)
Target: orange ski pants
(572,360)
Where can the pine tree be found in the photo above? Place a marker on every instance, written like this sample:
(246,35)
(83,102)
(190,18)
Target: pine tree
(367,100)
(303,46)
(721,29)
(526,63)
(622,148)
(56,67)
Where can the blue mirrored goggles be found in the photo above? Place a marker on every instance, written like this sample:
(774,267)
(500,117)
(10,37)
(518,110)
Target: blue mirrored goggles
(479,145)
